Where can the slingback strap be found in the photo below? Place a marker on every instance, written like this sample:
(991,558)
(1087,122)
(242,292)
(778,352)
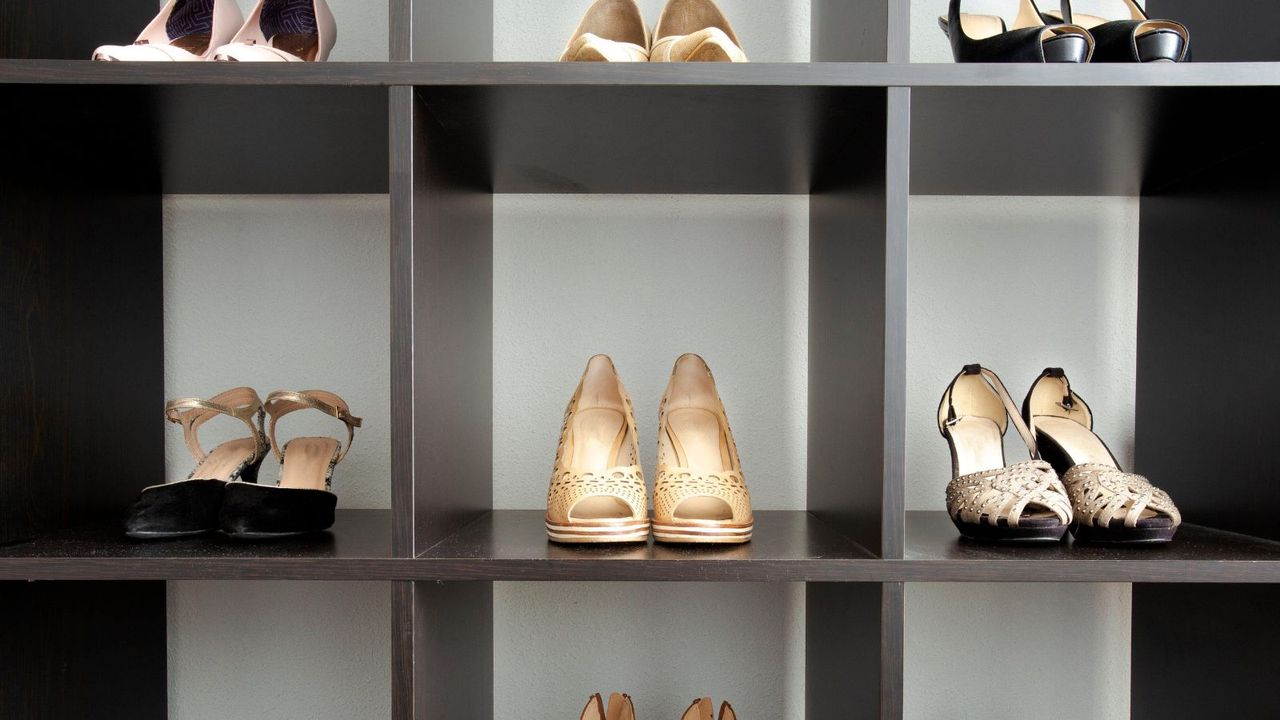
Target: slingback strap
(241,403)
(283,402)
(1025,429)
(1069,404)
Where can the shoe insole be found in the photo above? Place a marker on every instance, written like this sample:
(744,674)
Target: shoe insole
(194,44)
(306,462)
(290,25)
(1089,22)
(981,27)
(700,445)
(685,17)
(219,464)
(306,47)
(979,446)
(615,20)
(620,708)
(597,435)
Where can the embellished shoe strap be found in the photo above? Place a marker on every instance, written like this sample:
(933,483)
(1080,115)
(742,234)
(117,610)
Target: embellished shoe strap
(241,403)
(283,402)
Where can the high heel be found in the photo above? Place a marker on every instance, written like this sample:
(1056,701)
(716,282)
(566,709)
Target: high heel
(986,38)
(190,507)
(597,492)
(610,31)
(695,31)
(700,495)
(1136,39)
(283,31)
(183,31)
(303,501)
(1110,505)
(702,708)
(619,708)
(986,500)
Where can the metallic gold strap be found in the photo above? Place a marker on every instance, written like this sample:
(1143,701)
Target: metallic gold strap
(241,403)
(283,402)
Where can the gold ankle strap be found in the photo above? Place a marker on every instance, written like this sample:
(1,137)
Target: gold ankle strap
(241,403)
(283,402)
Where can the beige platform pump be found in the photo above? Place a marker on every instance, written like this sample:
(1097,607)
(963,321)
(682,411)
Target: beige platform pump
(619,708)
(986,499)
(597,492)
(610,31)
(695,31)
(700,495)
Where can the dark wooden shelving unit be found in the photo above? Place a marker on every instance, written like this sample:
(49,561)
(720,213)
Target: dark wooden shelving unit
(441,130)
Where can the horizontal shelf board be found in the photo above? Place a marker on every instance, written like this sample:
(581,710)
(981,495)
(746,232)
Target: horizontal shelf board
(936,552)
(613,138)
(786,547)
(548,73)
(358,547)
(512,545)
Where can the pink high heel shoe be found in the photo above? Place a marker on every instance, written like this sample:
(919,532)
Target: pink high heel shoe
(184,31)
(283,31)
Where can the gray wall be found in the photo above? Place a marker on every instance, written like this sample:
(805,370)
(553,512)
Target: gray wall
(650,277)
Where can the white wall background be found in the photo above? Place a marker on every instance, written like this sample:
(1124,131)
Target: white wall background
(1001,281)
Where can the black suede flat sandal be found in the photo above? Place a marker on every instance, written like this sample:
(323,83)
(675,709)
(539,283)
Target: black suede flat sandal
(191,507)
(303,501)
(987,39)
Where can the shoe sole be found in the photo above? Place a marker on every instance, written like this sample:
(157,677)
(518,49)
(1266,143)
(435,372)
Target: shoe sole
(1123,535)
(598,533)
(994,534)
(166,535)
(703,534)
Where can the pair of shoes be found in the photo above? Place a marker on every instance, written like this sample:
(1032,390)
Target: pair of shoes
(621,708)
(1066,37)
(687,31)
(222,493)
(1072,480)
(194,30)
(598,493)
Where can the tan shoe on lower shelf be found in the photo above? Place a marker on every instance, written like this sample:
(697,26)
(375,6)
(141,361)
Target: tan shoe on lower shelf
(597,492)
(699,495)
(610,31)
(702,708)
(695,31)
(619,708)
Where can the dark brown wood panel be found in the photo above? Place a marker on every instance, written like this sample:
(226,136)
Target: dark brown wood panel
(1218,35)
(69,29)
(74,650)
(842,651)
(81,375)
(1203,651)
(402,666)
(847,351)
(452,335)
(453,651)
(897,237)
(405,151)
(1207,338)
(892,641)
(664,139)
(1079,140)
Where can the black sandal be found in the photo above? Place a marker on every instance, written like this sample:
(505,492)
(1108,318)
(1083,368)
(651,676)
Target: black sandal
(303,501)
(190,507)
(1137,39)
(986,38)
